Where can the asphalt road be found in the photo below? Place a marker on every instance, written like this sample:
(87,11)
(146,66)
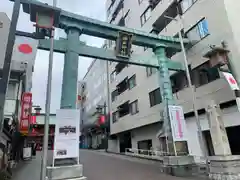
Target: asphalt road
(101,166)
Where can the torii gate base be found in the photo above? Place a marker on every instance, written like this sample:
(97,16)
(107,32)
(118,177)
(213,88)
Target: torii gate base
(72,172)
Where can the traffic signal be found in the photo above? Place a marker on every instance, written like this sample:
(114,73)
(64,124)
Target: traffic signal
(101,119)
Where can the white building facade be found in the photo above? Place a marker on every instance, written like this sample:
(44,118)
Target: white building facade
(93,92)
(22,67)
(136,100)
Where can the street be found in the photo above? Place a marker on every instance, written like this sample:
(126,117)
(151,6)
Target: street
(101,166)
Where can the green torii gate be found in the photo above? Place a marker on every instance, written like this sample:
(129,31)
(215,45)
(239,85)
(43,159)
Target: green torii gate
(75,25)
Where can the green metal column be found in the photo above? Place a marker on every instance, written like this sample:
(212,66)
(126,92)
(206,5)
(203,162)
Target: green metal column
(166,91)
(70,71)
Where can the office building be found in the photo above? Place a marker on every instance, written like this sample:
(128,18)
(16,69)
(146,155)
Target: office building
(93,105)
(136,100)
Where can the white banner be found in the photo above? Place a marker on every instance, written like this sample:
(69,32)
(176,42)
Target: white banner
(231,81)
(178,124)
(66,142)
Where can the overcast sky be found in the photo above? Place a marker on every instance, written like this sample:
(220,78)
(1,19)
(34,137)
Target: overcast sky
(91,8)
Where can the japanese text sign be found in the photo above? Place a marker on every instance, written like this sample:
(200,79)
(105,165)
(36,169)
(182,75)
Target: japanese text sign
(26,104)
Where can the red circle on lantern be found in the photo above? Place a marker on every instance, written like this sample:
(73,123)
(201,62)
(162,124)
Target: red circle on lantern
(25,48)
(232,81)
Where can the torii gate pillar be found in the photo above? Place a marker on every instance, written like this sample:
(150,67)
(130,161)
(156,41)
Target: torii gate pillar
(70,71)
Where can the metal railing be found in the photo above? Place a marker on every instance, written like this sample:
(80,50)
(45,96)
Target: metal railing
(151,152)
(199,166)
(156,154)
(148,154)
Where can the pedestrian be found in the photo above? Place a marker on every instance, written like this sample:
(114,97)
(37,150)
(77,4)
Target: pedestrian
(34,149)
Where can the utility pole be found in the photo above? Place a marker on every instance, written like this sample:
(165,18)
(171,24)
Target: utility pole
(192,87)
(105,126)
(47,105)
(8,59)
(109,104)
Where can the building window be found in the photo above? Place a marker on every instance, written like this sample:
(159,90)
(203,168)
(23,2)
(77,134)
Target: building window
(150,71)
(122,86)
(134,107)
(140,1)
(204,74)
(153,3)
(186,4)
(154,31)
(132,82)
(199,31)
(178,81)
(127,17)
(121,22)
(114,95)
(145,16)
(155,97)
(113,76)
(118,9)
(115,117)
(119,67)
(123,109)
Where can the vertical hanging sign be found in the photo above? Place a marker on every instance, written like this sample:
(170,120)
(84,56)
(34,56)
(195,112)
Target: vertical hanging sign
(25,118)
(124,44)
(178,123)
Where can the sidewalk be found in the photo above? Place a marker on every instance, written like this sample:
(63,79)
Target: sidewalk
(28,170)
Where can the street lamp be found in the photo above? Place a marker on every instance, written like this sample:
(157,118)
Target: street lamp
(192,87)
(218,57)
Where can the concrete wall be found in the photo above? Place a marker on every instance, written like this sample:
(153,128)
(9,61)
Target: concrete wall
(146,133)
(113,146)
(218,90)
(230,118)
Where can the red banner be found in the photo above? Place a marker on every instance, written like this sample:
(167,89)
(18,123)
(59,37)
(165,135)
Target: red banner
(26,107)
(34,120)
